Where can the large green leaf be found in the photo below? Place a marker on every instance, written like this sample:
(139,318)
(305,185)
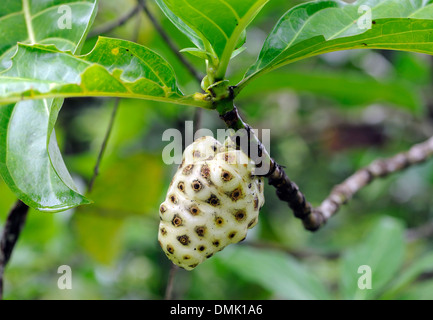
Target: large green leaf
(113,68)
(421,265)
(382,250)
(319,27)
(32,21)
(30,160)
(275,271)
(219,23)
(344,87)
(191,34)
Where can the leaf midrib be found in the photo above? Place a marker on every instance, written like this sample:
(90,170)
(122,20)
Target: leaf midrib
(28,20)
(231,42)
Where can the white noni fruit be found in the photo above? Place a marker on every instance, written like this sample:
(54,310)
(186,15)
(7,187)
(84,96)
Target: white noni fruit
(212,201)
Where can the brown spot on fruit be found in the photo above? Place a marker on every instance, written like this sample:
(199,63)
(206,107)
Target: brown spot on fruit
(188,169)
(201,248)
(219,221)
(186,257)
(170,249)
(196,154)
(256,203)
(251,223)
(194,210)
(226,176)
(193,265)
(232,234)
(237,194)
(177,221)
(213,201)
(162,208)
(173,199)
(181,186)
(163,231)
(184,240)
(200,230)
(197,185)
(229,158)
(205,171)
(216,243)
(240,215)
(209,255)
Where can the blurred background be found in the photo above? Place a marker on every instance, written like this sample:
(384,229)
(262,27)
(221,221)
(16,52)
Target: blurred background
(329,116)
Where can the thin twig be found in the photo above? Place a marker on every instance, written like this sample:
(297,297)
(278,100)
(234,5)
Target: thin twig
(170,282)
(170,43)
(343,192)
(110,26)
(104,144)
(11,232)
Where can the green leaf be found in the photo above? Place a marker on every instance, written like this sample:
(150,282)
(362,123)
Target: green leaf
(319,27)
(30,160)
(421,265)
(220,24)
(350,89)
(191,34)
(382,250)
(114,68)
(199,53)
(275,271)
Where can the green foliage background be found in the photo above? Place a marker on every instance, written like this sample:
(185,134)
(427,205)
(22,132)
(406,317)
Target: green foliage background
(335,114)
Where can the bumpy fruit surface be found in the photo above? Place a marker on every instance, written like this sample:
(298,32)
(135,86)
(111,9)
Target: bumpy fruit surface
(212,201)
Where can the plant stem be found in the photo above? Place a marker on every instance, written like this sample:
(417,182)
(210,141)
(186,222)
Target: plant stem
(170,282)
(381,168)
(11,232)
(104,145)
(287,190)
(110,26)
(169,42)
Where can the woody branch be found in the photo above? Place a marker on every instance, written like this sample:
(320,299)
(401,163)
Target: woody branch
(288,191)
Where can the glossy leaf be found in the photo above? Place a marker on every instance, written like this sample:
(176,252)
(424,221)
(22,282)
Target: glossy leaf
(30,160)
(220,24)
(114,68)
(350,89)
(275,271)
(382,251)
(191,34)
(421,265)
(325,26)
